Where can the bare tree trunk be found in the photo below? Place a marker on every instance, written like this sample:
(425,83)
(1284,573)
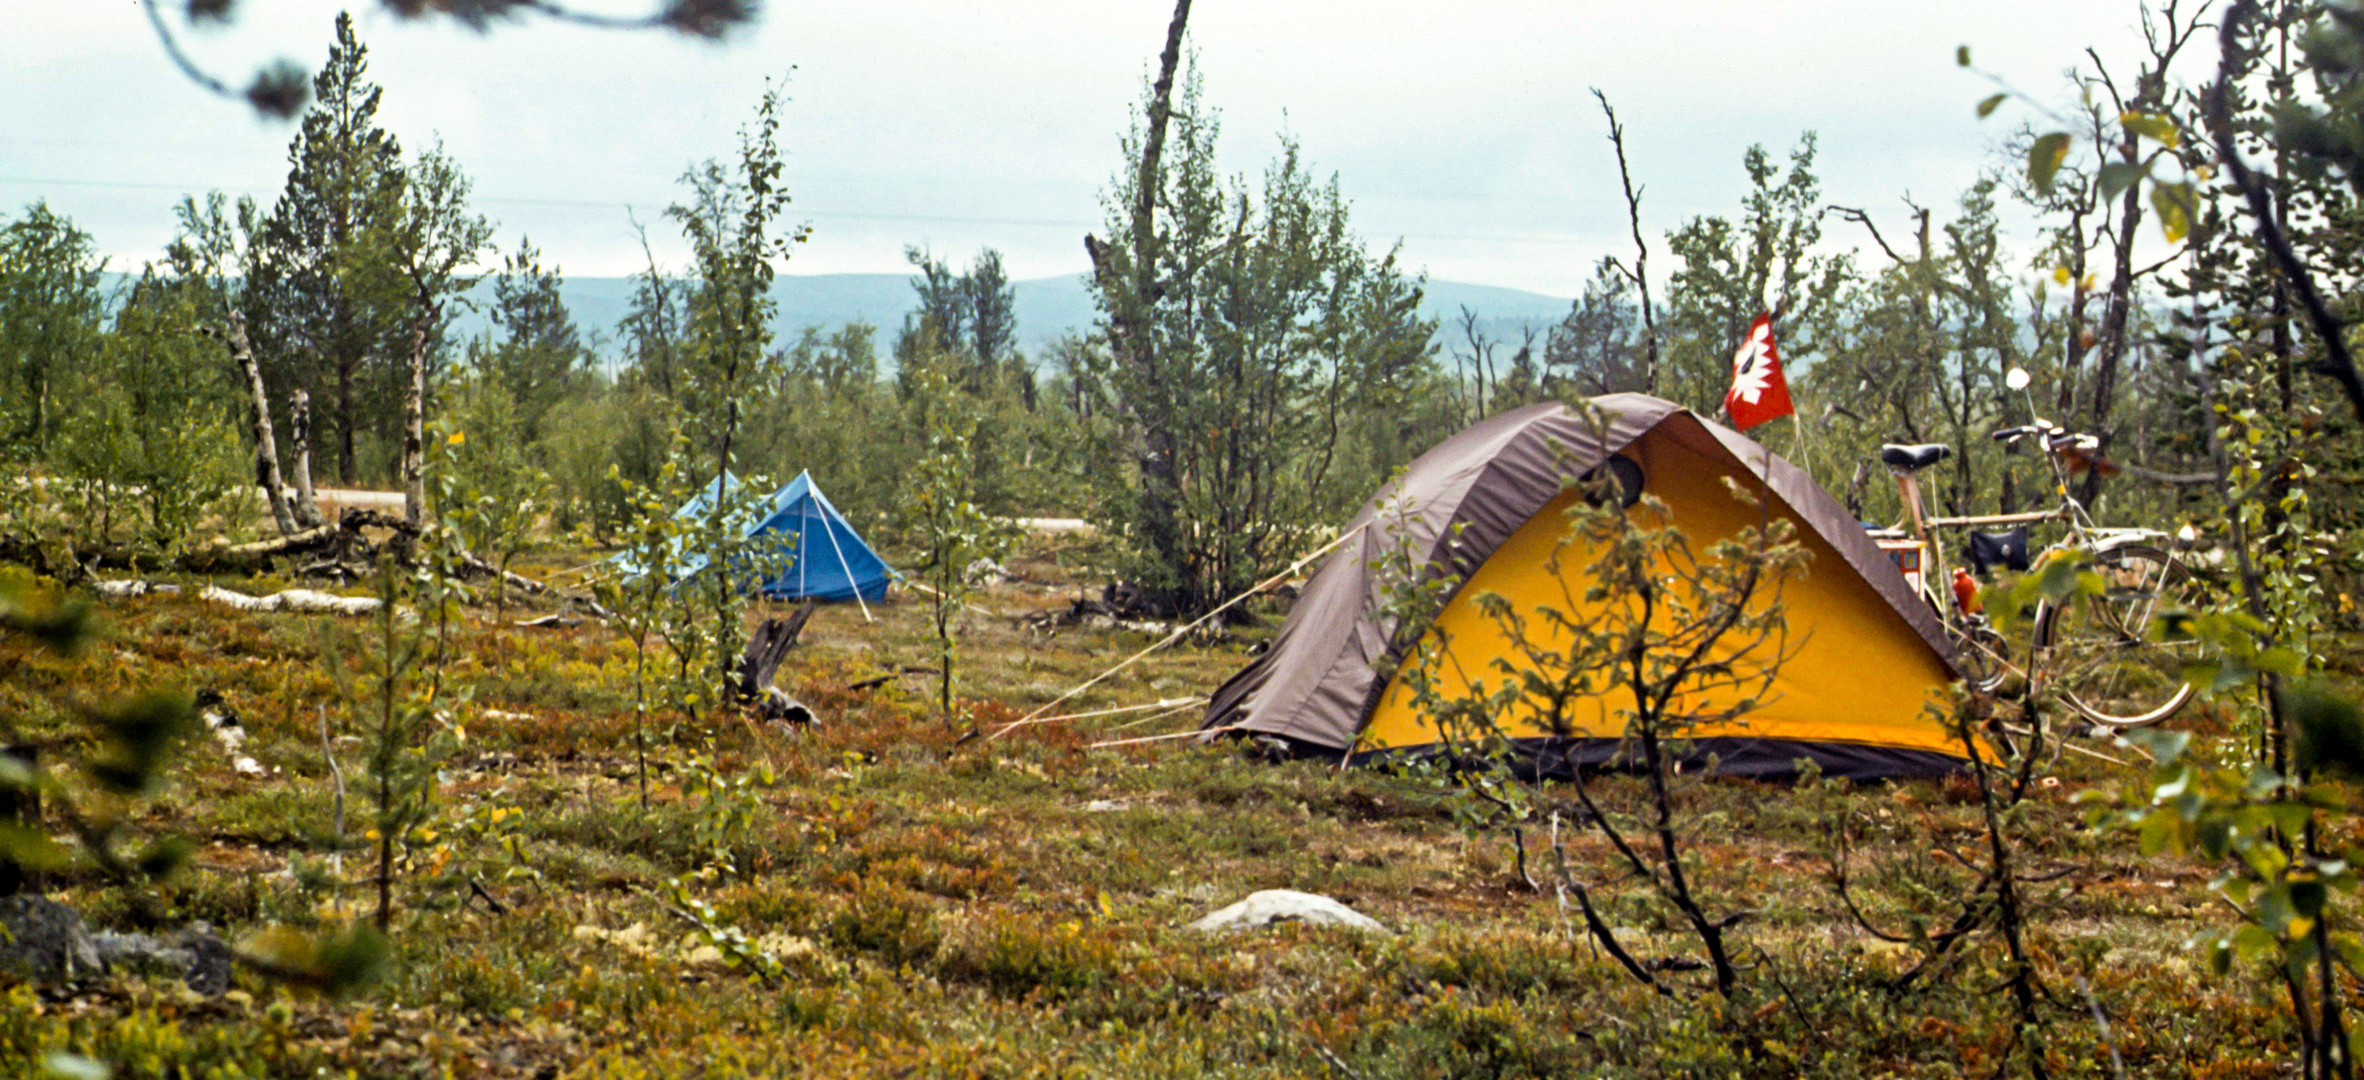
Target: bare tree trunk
(2118,304)
(299,431)
(414,422)
(1481,353)
(346,473)
(1130,334)
(2338,362)
(1640,274)
(266,444)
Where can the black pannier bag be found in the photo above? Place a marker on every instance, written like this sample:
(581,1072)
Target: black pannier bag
(2007,549)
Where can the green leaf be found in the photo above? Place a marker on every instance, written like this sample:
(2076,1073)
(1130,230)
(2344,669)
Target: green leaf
(60,625)
(165,856)
(2152,126)
(16,773)
(2163,745)
(2044,158)
(2220,954)
(2330,729)
(2307,897)
(1962,55)
(1987,107)
(2173,203)
(139,735)
(2059,579)
(2274,910)
(2251,941)
(2117,174)
(2349,949)
(336,962)
(2300,952)
(70,1066)
(2266,861)
(32,849)
(2213,837)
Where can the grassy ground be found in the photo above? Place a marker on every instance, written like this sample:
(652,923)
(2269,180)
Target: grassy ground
(1014,907)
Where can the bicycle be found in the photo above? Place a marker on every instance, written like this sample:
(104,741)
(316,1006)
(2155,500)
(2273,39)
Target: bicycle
(2094,646)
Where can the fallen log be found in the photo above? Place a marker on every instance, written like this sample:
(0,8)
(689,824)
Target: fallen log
(295,600)
(341,552)
(481,568)
(554,621)
(304,601)
(341,542)
(258,554)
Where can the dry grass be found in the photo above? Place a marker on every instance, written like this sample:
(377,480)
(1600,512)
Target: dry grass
(1013,907)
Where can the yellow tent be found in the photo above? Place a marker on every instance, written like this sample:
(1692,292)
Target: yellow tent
(1863,654)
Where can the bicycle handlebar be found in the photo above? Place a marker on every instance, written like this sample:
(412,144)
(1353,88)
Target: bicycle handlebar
(2055,437)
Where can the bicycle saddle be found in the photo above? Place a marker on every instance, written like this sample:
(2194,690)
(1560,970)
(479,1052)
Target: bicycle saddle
(1914,458)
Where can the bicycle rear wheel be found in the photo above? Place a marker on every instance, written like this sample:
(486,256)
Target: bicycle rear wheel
(1983,657)
(2101,651)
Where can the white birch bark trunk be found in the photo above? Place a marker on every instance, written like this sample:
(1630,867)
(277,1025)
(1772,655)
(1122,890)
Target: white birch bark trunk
(299,424)
(266,444)
(414,426)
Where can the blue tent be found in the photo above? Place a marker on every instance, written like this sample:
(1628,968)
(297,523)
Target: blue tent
(773,534)
(825,558)
(694,513)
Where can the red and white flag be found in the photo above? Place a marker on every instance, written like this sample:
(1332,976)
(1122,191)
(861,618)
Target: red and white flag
(1759,393)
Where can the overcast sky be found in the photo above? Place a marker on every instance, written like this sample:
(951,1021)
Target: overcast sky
(1465,130)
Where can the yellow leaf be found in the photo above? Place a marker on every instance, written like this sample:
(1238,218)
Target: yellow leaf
(2044,157)
(2060,274)
(457,438)
(2151,126)
(2174,204)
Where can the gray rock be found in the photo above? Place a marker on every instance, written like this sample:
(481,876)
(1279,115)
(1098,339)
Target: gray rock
(1282,905)
(194,955)
(209,961)
(44,940)
(137,952)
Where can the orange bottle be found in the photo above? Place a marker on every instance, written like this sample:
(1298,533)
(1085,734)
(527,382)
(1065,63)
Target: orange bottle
(1966,593)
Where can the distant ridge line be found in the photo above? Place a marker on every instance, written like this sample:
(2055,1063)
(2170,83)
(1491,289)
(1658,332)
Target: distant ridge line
(1048,308)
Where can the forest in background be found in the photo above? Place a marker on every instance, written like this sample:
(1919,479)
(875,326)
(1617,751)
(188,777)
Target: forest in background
(1898,322)
(919,894)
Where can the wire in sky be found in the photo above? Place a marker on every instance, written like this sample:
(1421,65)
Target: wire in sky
(826,215)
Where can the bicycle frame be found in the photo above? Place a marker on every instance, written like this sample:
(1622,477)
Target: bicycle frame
(2083,533)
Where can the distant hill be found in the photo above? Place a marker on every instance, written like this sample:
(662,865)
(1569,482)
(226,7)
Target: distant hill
(1048,308)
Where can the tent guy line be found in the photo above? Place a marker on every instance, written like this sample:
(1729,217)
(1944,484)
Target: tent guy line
(1157,738)
(1031,718)
(1167,703)
(1157,716)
